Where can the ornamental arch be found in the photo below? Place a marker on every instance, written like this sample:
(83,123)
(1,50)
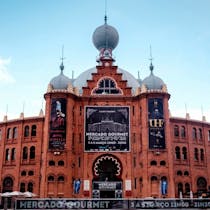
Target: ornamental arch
(201,185)
(107,168)
(8,184)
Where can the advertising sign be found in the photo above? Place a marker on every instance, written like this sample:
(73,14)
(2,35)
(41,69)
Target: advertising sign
(100,185)
(156,124)
(107,128)
(26,204)
(57,132)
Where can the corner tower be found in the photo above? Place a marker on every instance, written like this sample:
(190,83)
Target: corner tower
(156,158)
(58,137)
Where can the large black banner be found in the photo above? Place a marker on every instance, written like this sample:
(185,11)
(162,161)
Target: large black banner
(112,204)
(156,123)
(57,133)
(107,128)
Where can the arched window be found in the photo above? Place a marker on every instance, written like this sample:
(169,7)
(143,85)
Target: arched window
(179,173)
(61,163)
(153,163)
(176,130)
(22,187)
(196,154)
(31,173)
(154,178)
(15,133)
(25,153)
(50,178)
(33,130)
(164,185)
(26,131)
(9,133)
(162,162)
(177,153)
(208,135)
(186,173)
(194,133)
(30,187)
(183,133)
(7,155)
(13,154)
(201,184)
(107,86)
(51,163)
(32,152)
(184,153)
(61,179)
(200,135)
(202,154)
(187,187)
(23,173)
(7,185)
(180,188)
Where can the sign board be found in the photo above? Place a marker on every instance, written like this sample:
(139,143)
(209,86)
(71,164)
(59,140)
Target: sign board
(107,128)
(57,131)
(30,204)
(156,123)
(106,186)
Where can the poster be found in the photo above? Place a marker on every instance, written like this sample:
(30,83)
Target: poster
(57,133)
(156,123)
(107,128)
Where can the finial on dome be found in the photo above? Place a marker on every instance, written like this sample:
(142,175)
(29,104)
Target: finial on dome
(151,67)
(151,58)
(62,58)
(62,66)
(105,17)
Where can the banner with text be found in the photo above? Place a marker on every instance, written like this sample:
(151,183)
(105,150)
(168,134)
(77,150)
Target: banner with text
(112,204)
(156,123)
(57,135)
(107,128)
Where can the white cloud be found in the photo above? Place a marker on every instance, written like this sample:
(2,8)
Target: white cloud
(5,76)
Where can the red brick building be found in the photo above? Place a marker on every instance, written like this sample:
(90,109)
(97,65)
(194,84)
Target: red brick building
(105,134)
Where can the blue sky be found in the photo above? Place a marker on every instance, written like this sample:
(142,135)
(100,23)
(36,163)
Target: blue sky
(32,34)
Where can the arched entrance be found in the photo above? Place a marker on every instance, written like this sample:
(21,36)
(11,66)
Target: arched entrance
(107,182)
(201,186)
(7,187)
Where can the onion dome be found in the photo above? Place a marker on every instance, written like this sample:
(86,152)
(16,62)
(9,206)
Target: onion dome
(153,82)
(105,37)
(61,81)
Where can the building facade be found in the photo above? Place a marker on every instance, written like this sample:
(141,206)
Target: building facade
(105,134)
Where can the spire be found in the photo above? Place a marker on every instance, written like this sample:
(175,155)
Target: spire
(138,75)
(72,76)
(62,58)
(105,16)
(151,58)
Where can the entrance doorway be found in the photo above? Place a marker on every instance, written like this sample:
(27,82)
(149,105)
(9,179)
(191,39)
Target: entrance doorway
(107,182)
(107,194)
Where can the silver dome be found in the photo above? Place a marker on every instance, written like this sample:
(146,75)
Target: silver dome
(81,80)
(60,82)
(105,37)
(153,82)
